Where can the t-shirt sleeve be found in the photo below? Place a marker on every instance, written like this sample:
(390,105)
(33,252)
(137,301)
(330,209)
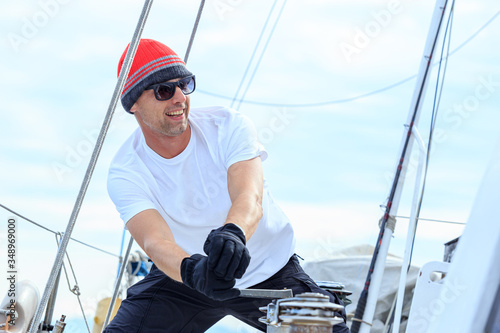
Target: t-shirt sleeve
(129,197)
(240,141)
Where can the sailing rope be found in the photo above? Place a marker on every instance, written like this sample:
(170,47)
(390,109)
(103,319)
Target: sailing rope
(389,224)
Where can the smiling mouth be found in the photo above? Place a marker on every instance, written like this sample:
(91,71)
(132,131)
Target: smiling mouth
(174,113)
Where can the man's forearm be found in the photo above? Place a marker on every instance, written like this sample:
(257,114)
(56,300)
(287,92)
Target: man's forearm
(167,256)
(246,212)
(154,236)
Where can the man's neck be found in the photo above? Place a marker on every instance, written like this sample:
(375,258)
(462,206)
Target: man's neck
(168,146)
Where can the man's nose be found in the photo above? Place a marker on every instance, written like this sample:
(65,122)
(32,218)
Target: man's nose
(179,96)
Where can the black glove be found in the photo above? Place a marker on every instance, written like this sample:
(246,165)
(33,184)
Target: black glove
(196,275)
(228,256)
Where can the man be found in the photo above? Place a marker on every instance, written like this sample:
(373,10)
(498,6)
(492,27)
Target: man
(189,186)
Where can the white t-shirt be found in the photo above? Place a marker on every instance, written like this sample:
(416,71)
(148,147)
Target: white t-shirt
(190,190)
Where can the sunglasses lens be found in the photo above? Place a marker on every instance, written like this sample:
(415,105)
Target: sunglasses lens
(165,91)
(187,85)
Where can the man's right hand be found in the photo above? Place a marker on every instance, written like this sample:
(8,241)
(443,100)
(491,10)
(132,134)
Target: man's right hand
(227,253)
(196,275)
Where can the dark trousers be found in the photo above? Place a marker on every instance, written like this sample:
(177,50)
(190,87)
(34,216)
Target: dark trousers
(159,304)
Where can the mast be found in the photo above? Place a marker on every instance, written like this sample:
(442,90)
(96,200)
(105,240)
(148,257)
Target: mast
(365,310)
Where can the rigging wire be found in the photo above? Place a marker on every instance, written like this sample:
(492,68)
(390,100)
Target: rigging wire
(354,98)
(253,53)
(376,267)
(76,289)
(432,220)
(261,55)
(193,33)
(55,232)
(56,267)
(304,105)
(437,100)
(437,95)
(474,35)
(121,252)
(27,219)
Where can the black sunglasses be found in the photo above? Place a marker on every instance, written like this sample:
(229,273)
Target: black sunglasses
(166,90)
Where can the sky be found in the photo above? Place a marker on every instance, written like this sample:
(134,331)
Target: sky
(329,90)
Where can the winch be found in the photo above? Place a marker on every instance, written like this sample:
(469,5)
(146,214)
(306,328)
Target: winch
(305,313)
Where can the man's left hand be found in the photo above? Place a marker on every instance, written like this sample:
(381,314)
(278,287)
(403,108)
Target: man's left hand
(227,253)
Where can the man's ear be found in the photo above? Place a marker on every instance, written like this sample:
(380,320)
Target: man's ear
(133,108)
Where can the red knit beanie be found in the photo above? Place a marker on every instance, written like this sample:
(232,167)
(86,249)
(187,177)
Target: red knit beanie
(154,62)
